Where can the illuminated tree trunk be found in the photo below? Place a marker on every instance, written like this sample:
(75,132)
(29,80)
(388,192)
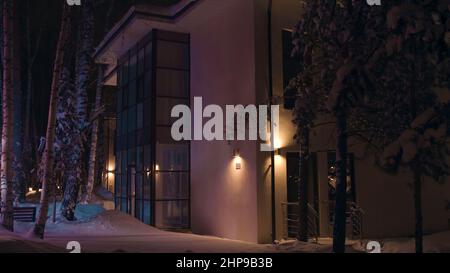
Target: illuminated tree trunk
(7,127)
(93,160)
(94,139)
(48,156)
(83,64)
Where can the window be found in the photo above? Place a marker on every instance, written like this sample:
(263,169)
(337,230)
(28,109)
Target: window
(153,181)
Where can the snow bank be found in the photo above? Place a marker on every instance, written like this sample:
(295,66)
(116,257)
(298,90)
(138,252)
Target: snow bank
(13,243)
(434,243)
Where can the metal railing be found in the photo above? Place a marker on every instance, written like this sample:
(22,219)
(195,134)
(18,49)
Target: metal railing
(355,216)
(291,221)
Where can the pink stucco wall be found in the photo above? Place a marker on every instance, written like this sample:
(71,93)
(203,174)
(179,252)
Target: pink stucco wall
(223,199)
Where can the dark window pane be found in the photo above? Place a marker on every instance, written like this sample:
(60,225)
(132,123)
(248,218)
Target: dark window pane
(147,158)
(140,88)
(147,135)
(121,143)
(131,158)
(132,93)
(148,112)
(124,120)
(119,100)
(140,116)
(138,201)
(172,214)
(117,183)
(118,160)
(124,163)
(164,108)
(148,56)
(119,76)
(172,157)
(147,213)
(147,186)
(172,185)
(140,137)
(172,83)
(125,67)
(132,119)
(173,55)
(123,206)
(139,158)
(148,84)
(119,123)
(141,59)
(125,97)
(124,186)
(117,203)
(131,140)
(133,67)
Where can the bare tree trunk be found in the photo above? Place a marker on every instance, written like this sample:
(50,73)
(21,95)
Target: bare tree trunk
(94,138)
(418,209)
(82,69)
(48,156)
(303,186)
(95,126)
(1,69)
(18,162)
(341,183)
(7,131)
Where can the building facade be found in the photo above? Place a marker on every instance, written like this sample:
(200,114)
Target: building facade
(159,57)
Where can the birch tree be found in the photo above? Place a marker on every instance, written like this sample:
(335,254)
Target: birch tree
(7,127)
(18,130)
(74,172)
(48,156)
(95,124)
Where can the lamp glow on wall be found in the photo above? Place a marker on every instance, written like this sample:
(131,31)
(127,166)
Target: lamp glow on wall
(277,143)
(237,159)
(110,176)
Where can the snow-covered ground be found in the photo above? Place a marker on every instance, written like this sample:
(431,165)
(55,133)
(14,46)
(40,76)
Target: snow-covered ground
(98,230)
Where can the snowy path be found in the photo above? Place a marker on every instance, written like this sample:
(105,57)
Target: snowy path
(110,231)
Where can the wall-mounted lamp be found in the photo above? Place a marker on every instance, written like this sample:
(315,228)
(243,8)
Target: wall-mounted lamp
(237,159)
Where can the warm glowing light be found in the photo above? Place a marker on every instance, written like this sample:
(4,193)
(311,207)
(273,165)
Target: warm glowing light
(237,159)
(277,141)
(111,168)
(30,189)
(156,167)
